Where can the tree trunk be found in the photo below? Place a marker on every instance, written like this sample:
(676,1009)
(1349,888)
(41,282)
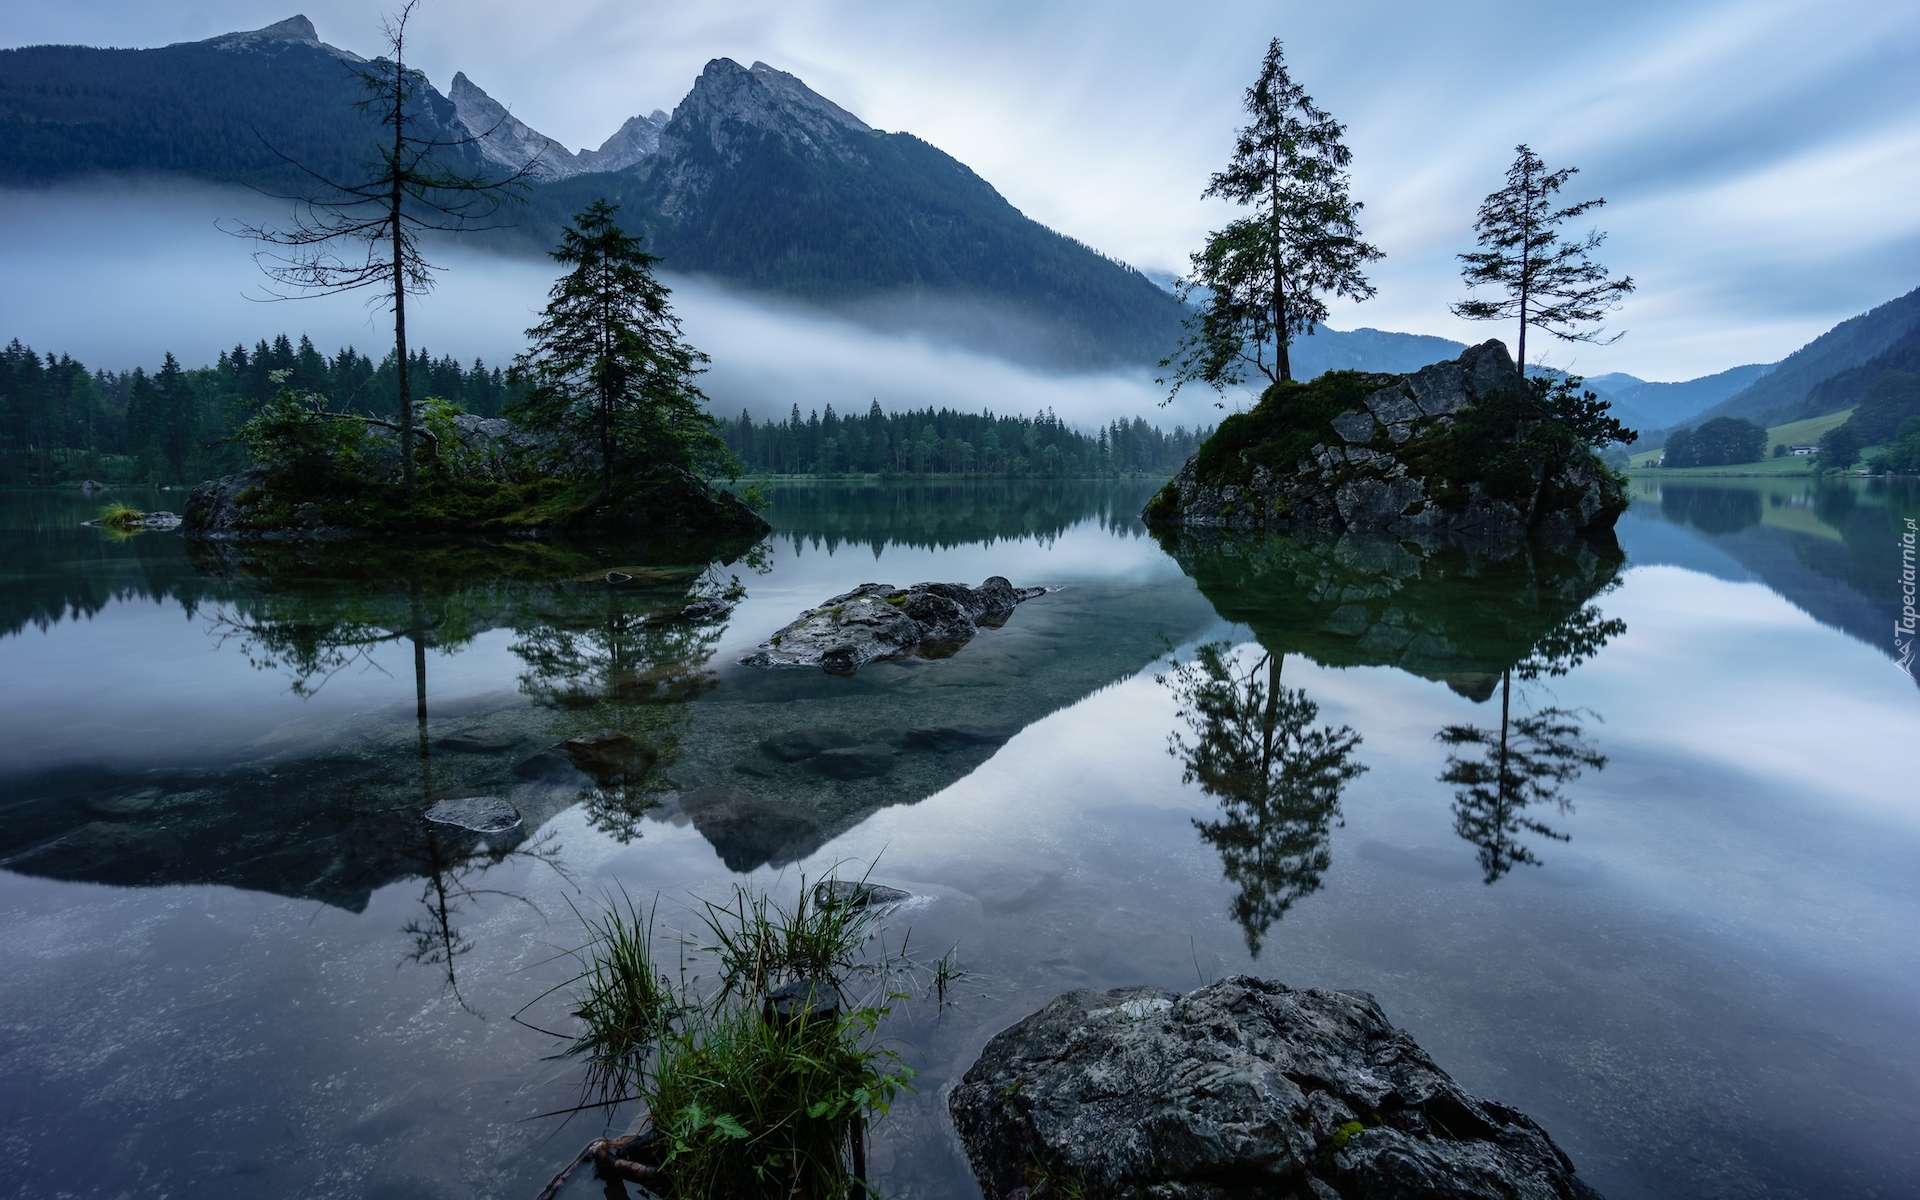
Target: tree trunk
(1526,275)
(400,277)
(1282,361)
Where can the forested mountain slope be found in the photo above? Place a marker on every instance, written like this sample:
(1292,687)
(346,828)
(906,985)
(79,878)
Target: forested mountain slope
(1783,393)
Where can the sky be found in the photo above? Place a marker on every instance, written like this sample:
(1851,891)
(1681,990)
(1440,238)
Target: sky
(1760,158)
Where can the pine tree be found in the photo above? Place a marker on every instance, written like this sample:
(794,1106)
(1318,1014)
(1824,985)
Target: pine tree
(608,366)
(1550,283)
(1263,280)
(176,413)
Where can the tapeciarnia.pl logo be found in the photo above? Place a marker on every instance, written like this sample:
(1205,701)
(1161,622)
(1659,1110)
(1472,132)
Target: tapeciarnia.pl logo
(1903,629)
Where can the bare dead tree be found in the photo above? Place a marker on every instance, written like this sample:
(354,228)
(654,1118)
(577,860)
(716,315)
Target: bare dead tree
(416,185)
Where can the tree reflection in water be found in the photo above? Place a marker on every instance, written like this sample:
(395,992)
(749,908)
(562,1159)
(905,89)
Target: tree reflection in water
(1516,771)
(453,876)
(618,680)
(613,656)
(1278,779)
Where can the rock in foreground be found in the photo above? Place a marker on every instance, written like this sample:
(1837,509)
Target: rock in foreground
(878,620)
(1245,1088)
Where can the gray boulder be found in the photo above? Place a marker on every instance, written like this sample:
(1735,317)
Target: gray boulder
(878,620)
(1244,1088)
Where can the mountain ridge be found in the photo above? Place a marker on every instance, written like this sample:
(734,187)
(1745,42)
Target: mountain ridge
(1783,391)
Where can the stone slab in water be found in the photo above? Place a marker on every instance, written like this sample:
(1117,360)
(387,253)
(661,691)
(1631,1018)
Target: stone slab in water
(1245,1087)
(481,814)
(857,894)
(878,620)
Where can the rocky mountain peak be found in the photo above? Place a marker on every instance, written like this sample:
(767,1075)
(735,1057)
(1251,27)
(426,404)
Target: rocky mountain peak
(728,96)
(799,95)
(296,29)
(505,139)
(636,139)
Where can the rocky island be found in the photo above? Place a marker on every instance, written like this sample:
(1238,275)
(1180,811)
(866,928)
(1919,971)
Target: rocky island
(1456,447)
(1245,1087)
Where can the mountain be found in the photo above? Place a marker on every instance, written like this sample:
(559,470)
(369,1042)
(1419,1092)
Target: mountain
(1647,406)
(234,108)
(764,183)
(1366,349)
(505,140)
(1845,389)
(1787,391)
(755,180)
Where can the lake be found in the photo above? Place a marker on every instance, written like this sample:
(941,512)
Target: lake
(239,963)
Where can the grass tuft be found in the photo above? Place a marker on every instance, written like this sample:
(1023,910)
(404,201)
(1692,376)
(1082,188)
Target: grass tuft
(746,1097)
(119,516)
(625,1004)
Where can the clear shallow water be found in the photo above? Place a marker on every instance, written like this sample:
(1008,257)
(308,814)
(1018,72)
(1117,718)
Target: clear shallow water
(237,964)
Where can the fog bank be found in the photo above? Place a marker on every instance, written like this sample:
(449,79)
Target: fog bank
(118,273)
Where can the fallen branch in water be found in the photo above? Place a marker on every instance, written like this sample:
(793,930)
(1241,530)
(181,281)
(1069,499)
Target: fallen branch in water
(610,1164)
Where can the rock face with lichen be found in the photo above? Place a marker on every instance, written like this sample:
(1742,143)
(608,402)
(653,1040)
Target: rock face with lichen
(1387,458)
(1244,1088)
(878,620)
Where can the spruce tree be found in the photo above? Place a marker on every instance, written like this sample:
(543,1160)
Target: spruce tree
(1550,283)
(1263,280)
(609,368)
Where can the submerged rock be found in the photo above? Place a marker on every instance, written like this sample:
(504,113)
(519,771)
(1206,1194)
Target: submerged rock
(858,895)
(878,620)
(854,762)
(1246,1087)
(481,814)
(612,758)
(797,745)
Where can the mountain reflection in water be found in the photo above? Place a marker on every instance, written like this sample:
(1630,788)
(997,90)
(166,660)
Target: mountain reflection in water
(1830,546)
(342,815)
(1475,614)
(211,877)
(621,707)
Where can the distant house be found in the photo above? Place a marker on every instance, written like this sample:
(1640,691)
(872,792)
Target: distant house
(1803,450)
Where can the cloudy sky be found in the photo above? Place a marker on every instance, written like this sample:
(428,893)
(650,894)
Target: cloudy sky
(1761,159)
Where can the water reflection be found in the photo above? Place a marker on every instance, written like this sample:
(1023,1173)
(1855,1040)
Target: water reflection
(332,809)
(1278,779)
(1477,615)
(946,513)
(453,871)
(1711,509)
(1829,546)
(617,679)
(1453,610)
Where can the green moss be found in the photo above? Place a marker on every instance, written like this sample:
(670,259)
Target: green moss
(1344,1134)
(1165,505)
(1279,430)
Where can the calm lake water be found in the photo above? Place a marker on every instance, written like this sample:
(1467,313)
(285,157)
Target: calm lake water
(238,963)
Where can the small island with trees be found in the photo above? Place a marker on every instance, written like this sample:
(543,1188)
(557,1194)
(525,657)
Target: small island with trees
(1477,445)
(609,436)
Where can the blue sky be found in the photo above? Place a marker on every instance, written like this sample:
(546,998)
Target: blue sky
(1762,160)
